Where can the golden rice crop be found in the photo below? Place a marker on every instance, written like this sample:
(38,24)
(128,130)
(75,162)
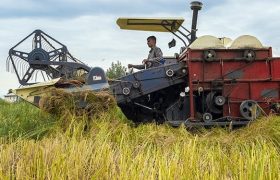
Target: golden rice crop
(114,149)
(58,101)
(82,105)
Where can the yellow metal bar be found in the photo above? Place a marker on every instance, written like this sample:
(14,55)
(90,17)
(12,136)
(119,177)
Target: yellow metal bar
(151,24)
(30,93)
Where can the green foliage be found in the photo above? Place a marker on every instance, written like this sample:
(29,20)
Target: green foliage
(23,120)
(116,70)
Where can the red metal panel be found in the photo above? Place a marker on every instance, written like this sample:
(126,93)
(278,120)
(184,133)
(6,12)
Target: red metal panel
(231,109)
(229,69)
(237,92)
(264,91)
(275,68)
(196,73)
(258,70)
(211,71)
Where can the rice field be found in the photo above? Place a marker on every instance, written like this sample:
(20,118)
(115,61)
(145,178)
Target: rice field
(36,145)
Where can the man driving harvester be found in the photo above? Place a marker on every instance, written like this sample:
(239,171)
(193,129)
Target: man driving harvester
(154,58)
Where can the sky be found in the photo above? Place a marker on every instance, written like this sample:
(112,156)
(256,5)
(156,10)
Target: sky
(88,27)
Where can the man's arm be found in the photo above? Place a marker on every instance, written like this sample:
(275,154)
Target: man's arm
(142,66)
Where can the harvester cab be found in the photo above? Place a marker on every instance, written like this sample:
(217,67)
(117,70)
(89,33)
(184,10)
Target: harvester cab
(213,81)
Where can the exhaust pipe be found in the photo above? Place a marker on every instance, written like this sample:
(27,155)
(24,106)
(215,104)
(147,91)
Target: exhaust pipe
(195,6)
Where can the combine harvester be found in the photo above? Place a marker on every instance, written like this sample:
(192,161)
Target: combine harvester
(212,81)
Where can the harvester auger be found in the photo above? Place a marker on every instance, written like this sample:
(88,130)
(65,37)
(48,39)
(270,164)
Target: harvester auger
(212,81)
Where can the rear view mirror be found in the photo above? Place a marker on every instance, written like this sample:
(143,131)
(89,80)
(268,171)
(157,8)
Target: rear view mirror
(172,43)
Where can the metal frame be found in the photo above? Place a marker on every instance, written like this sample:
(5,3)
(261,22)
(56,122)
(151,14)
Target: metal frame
(52,61)
(169,27)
